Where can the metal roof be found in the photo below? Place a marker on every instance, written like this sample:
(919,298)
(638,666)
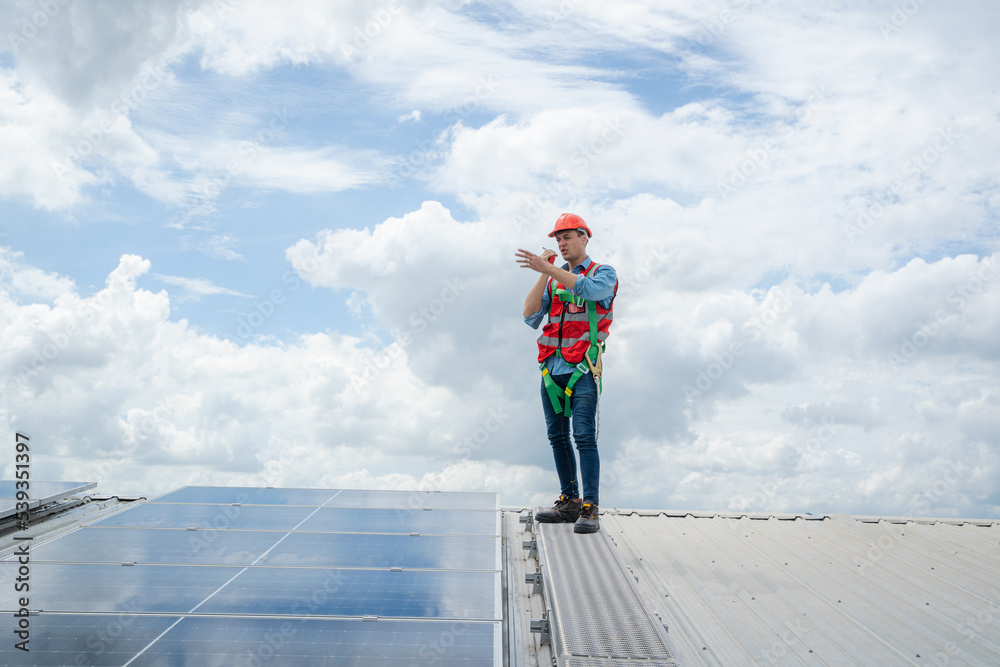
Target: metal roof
(802,589)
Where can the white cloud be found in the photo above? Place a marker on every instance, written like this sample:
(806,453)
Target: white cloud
(91,56)
(70,132)
(196,288)
(407,117)
(20,280)
(305,172)
(77,79)
(240,39)
(580,152)
(425,276)
(28,122)
(407,49)
(220,247)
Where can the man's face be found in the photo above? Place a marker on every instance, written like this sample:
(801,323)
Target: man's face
(572,243)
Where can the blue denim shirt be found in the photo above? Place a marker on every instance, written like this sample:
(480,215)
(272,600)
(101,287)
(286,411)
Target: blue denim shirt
(599,286)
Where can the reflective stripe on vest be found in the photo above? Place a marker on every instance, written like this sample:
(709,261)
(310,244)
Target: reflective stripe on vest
(572,329)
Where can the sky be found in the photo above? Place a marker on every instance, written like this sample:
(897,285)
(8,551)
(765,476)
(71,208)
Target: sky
(272,244)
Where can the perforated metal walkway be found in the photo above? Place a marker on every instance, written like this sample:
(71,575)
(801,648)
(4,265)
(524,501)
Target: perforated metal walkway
(596,615)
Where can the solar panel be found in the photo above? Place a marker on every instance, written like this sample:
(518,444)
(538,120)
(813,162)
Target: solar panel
(77,639)
(206,641)
(437,552)
(246,547)
(247,495)
(91,639)
(156,545)
(414,500)
(218,517)
(39,493)
(331,498)
(287,591)
(290,576)
(327,519)
(406,521)
(105,588)
(347,592)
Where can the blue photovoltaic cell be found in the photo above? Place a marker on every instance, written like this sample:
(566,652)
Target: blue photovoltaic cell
(145,545)
(440,552)
(294,643)
(369,520)
(66,639)
(218,517)
(414,500)
(113,588)
(248,495)
(337,592)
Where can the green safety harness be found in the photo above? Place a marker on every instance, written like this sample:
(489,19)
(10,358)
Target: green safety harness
(591,362)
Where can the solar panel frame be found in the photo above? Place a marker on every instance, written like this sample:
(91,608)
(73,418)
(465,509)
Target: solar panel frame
(41,492)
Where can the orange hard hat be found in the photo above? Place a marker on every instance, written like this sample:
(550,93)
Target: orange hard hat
(570,221)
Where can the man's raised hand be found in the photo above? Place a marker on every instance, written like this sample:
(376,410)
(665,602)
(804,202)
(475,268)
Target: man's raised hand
(529,260)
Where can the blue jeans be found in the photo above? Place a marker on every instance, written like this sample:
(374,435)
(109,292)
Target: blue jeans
(584,404)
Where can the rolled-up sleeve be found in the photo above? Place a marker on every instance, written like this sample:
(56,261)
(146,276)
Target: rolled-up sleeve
(536,318)
(598,286)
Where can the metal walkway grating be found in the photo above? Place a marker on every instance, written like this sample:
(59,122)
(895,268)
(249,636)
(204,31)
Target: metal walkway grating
(598,618)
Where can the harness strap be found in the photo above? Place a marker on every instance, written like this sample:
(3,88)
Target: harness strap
(553,390)
(591,360)
(560,398)
(566,296)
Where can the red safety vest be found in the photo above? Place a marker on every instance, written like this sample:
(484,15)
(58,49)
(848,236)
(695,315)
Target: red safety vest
(568,328)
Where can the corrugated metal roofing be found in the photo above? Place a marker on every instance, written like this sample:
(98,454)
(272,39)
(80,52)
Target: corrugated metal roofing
(835,590)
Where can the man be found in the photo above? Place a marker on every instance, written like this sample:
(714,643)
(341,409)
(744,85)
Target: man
(578,299)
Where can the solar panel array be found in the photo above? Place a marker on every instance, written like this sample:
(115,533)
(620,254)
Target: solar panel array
(249,576)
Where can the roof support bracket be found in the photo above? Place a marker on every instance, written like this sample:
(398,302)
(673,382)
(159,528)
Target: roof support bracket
(531,546)
(535,579)
(541,626)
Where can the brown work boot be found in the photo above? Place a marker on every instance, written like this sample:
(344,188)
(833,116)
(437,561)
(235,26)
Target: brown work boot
(566,509)
(589,521)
